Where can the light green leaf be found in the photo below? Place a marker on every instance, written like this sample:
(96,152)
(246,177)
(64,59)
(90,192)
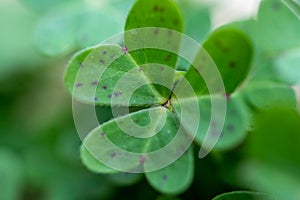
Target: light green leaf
(175,178)
(243,195)
(105,75)
(265,94)
(11,175)
(93,164)
(280,34)
(231,51)
(272,154)
(287,67)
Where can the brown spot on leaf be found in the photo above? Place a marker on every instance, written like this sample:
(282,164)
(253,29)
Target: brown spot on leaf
(155,8)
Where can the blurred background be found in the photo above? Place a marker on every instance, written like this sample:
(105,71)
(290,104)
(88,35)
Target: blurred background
(39,146)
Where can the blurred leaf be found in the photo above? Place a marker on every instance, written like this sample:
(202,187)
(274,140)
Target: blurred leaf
(242,195)
(287,67)
(17,54)
(175,178)
(280,34)
(273,158)
(11,171)
(265,94)
(75,25)
(231,51)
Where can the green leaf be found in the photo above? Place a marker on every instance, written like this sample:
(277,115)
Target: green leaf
(105,75)
(287,67)
(280,34)
(175,178)
(75,25)
(231,51)
(265,94)
(124,178)
(272,154)
(242,195)
(236,122)
(153,45)
(139,132)
(93,164)
(11,175)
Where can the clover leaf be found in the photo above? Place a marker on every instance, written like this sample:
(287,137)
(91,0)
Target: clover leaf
(155,138)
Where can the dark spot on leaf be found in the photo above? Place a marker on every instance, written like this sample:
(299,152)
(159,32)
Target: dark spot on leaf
(125,50)
(170,32)
(155,8)
(219,43)
(156,31)
(276,5)
(161,69)
(112,57)
(102,61)
(104,52)
(227,96)
(112,155)
(109,96)
(213,124)
(79,84)
(140,69)
(230,127)
(161,10)
(168,57)
(81,64)
(162,19)
(94,83)
(104,87)
(116,94)
(142,159)
(96,99)
(232,64)
(102,134)
(164,177)
(175,22)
